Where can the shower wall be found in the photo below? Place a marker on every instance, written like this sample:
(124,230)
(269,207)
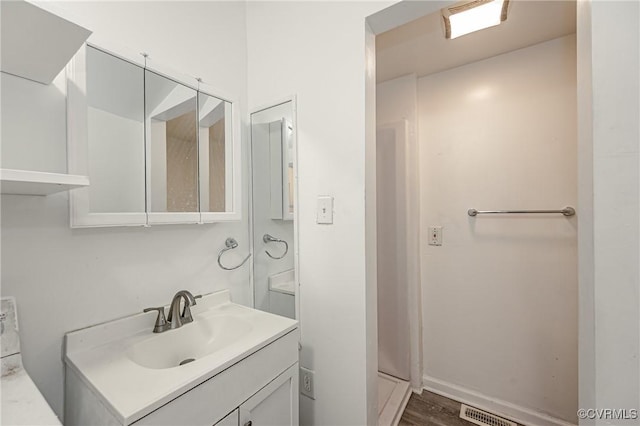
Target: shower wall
(399,325)
(500,295)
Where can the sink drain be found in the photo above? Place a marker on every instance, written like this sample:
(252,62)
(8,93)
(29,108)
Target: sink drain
(187,361)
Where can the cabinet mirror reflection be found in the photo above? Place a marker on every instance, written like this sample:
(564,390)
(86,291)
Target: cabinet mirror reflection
(157,146)
(214,125)
(272,154)
(115,134)
(173,145)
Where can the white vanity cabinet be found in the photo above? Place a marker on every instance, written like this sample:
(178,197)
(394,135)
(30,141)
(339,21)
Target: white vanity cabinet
(251,379)
(273,404)
(232,419)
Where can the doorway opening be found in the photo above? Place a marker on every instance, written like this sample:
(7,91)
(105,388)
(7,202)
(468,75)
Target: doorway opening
(480,309)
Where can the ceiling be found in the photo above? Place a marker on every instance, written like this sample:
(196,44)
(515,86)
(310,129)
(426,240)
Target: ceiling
(419,47)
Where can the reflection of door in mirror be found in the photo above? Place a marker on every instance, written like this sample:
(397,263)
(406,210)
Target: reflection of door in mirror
(288,161)
(281,159)
(172,139)
(272,147)
(115,134)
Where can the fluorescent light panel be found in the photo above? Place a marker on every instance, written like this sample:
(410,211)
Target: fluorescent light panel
(472,16)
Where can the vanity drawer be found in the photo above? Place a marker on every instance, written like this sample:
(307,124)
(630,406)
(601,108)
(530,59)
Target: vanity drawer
(212,400)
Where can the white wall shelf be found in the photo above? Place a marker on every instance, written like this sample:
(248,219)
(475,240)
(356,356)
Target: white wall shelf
(26,182)
(36,43)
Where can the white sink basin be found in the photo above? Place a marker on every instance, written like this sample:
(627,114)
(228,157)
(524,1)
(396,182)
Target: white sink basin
(138,371)
(189,343)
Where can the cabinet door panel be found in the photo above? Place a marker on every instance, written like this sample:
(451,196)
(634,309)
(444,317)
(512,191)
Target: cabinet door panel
(231,420)
(274,405)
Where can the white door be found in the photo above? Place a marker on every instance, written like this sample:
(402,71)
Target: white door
(274,405)
(394,350)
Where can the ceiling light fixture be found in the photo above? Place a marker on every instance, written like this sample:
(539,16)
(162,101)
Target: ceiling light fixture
(469,16)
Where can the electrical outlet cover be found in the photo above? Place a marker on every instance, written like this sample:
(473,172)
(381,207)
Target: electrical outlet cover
(307,382)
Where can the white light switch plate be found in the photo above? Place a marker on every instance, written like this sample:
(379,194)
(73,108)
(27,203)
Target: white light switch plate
(325,210)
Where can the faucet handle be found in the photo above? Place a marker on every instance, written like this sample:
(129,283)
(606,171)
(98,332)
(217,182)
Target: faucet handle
(161,322)
(186,312)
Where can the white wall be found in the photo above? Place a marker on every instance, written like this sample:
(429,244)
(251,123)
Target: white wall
(158,165)
(66,279)
(316,50)
(610,256)
(45,150)
(118,143)
(500,295)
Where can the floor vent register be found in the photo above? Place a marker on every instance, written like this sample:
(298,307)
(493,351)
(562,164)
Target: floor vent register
(482,418)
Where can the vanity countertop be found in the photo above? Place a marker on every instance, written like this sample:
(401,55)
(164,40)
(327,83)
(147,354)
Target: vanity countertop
(101,355)
(22,402)
(283,282)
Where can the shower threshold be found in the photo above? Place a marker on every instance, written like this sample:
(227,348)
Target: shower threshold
(393,395)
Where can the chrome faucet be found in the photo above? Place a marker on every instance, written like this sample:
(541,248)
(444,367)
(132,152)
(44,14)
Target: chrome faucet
(175,319)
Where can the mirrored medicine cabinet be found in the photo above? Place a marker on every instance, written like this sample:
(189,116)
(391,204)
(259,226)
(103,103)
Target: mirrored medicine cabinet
(158,147)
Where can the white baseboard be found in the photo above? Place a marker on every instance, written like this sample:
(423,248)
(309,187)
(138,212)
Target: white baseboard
(517,413)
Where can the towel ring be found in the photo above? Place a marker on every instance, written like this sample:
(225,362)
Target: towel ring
(269,239)
(230,244)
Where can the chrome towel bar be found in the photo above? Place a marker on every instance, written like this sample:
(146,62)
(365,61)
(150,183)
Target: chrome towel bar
(567,211)
(230,244)
(270,239)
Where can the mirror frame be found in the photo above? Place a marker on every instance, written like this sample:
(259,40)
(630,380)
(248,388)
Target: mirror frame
(77,147)
(296,202)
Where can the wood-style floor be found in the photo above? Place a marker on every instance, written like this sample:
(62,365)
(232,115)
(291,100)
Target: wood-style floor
(430,409)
